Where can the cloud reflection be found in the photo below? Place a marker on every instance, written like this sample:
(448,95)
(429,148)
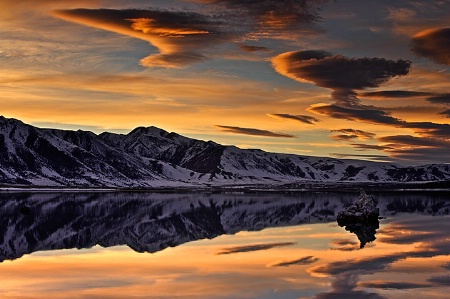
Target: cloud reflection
(254,247)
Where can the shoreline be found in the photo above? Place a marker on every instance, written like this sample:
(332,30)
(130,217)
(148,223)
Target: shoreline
(337,187)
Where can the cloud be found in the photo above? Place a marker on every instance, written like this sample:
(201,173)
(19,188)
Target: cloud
(429,129)
(367,114)
(446,113)
(274,18)
(181,37)
(302,261)
(301,118)
(395,94)
(366,147)
(251,49)
(338,72)
(393,285)
(440,99)
(440,280)
(350,134)
(423,149)
(373,115)
(346,75)
(255,247)
(253,132)
(408,140)
(433,44)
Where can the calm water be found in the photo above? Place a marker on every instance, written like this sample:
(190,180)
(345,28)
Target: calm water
(140,245)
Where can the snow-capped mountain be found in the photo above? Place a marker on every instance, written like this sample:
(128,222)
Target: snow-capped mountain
(31,222)
(152,157)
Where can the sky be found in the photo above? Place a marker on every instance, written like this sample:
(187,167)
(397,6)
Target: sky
(353,79)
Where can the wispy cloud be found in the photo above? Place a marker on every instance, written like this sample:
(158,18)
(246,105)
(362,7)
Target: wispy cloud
(440,280)
(351,134)
(253,132)
(251,49)
(394,285)
(395,94)
(366,147)
(301,118)
(367,114)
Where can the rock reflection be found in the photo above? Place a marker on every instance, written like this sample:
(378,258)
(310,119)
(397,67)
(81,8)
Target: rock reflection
(361,218)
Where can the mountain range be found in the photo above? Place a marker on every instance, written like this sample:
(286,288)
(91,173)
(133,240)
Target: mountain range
(151,157)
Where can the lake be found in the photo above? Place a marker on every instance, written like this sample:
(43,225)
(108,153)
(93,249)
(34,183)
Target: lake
(187,245)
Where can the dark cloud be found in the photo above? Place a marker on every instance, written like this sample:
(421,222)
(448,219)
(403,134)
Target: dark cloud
(272,16)
(408,140)
(420,155)
(395,94)
(421,149)
(302,261)
(350,134)
(253,132)
(181,37)
(339,72)
(441,280)
(249,48)
(366,114)
(301,118)
(366,147)
(429,129)
(172,60)
(344,137)
(433,44)
(255,247)
(373,115)
(440,99)
(413,109)
(446,113)
(393,285)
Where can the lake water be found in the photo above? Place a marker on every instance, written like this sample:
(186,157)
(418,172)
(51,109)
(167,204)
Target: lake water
(143,245)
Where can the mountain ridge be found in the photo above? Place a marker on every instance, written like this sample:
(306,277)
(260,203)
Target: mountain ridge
(153,157)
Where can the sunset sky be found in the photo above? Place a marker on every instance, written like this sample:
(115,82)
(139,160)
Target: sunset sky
(342,78)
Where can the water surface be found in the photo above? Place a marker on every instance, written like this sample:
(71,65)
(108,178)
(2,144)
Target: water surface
(141,245)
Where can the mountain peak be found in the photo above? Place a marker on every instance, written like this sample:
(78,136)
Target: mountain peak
(152,131)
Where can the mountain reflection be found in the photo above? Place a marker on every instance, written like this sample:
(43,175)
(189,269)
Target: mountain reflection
(31,222)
